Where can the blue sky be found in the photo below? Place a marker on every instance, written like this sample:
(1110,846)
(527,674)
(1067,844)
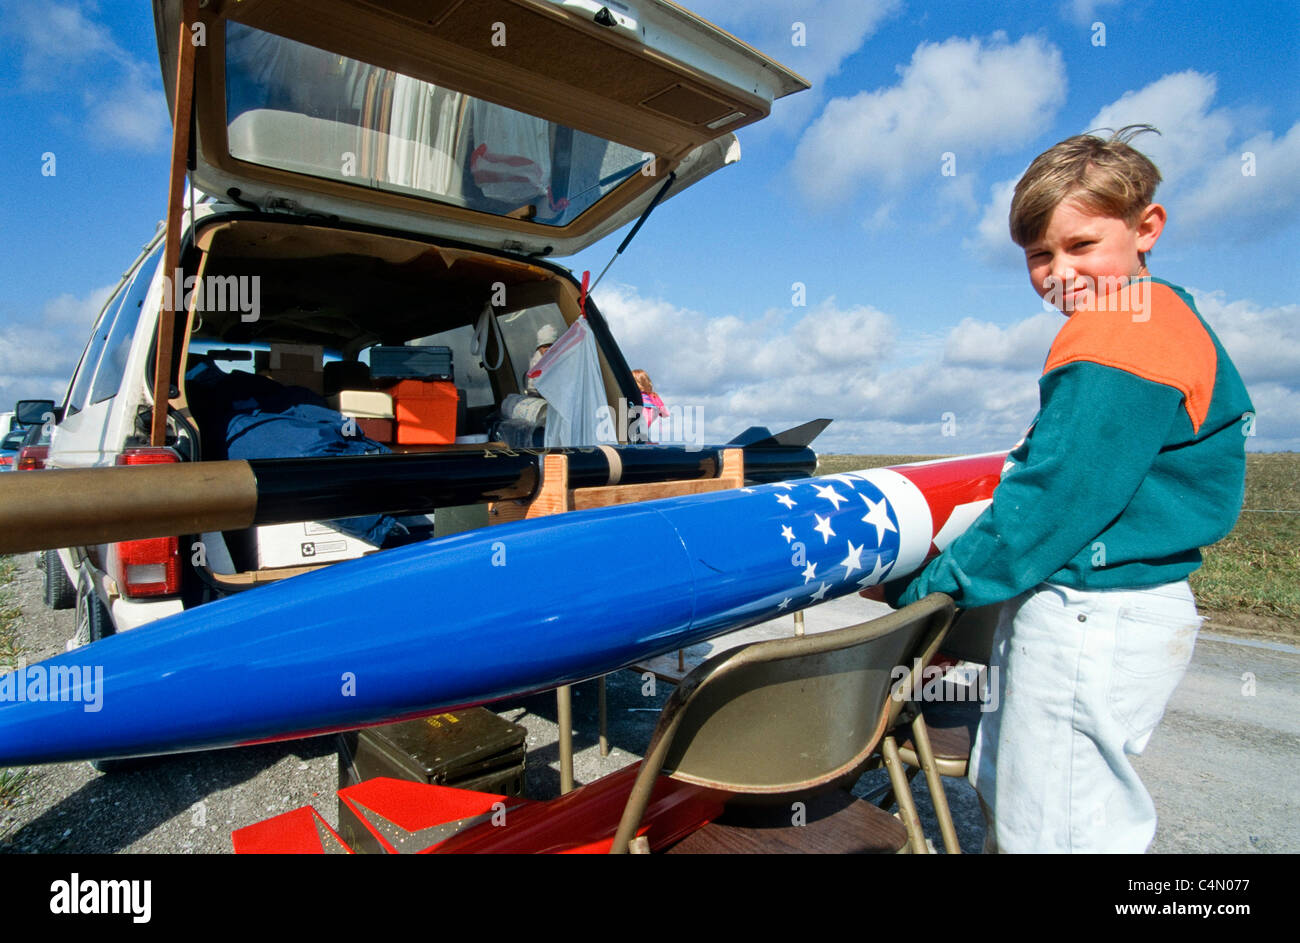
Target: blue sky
(916,305)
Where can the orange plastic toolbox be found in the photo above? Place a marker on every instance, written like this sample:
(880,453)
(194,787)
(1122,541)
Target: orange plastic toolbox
(381,430)
(424,411)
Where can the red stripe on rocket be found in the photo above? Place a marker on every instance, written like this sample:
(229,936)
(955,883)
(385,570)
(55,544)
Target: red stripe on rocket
(935,501)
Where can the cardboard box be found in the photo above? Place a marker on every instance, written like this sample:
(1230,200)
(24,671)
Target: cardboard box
(305,543)
(381,430)
(372,410)
(297,357)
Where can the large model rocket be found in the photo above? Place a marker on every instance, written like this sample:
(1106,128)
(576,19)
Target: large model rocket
(486,614)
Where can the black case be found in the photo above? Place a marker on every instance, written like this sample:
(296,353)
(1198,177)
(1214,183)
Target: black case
(453,749)
(411,363)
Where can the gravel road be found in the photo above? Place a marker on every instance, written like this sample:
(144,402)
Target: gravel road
(1222,766)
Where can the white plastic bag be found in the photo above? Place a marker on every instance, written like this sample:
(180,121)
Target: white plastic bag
(568,375)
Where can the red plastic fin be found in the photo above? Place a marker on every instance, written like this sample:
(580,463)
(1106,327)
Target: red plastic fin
(400,817)
(300,832)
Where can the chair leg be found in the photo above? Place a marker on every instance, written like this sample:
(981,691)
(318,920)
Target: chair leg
(604,720)
(906,806)
(564,717)
(883,796)
(921,737)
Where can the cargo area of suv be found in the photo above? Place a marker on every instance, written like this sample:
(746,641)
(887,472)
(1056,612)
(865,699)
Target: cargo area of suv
(363,342)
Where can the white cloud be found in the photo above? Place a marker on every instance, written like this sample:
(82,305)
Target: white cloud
(122,96)
(1085,11)
(1277,418)
(1200,152)
(692,355)
(1178,105)
(1264,343)
(1021,346)
(890,389)
(57,37)
(132,113)
(845,363)
(78,314)
(1264,198)
(969,97)
(992,240)
(38,355)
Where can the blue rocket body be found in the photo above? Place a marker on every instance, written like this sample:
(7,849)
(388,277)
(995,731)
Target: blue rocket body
(467,619)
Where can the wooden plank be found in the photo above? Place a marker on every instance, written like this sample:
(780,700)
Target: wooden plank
(607,495)
(257,577)
(175,207)
(551,498)
(733,468)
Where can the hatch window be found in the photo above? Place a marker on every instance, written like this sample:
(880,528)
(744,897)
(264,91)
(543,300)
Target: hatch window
(298,108)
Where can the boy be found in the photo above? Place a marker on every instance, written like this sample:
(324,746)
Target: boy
(1135,460)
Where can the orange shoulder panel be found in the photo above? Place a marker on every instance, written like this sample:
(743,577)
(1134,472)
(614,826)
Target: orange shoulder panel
(1147,330)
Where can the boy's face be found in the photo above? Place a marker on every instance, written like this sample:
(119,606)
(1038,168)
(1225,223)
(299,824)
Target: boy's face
(1081,254)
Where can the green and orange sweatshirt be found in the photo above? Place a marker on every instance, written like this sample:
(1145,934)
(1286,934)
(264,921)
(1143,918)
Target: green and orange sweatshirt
(1135,461)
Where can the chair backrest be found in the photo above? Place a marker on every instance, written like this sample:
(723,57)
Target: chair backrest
(788,716)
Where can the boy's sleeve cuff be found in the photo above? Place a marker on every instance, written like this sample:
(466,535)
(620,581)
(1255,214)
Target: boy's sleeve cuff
(897,595)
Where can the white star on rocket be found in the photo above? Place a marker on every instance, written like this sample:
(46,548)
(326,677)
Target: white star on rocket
(878,517)
(787,533)
(810,572)
(786,500)
(842,479)
(824,528)
(853,561)
(872,578)
(821,593)
(830,494)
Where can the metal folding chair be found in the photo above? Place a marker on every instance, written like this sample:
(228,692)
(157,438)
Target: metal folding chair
(783,721)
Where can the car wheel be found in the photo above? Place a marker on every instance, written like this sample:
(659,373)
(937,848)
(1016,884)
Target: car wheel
(93,624)
(93,620)
(59,591)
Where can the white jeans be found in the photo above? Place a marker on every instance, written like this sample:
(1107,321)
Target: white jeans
(1083,679)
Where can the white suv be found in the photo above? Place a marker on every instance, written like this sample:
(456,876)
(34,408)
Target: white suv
(380,175)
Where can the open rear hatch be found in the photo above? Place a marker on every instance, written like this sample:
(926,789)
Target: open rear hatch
(534,125)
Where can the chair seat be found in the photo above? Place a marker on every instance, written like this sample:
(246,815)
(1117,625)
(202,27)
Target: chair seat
(951,726)
(836,823)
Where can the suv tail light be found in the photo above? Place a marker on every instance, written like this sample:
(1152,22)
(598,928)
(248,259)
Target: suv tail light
(149,567)
(32,458)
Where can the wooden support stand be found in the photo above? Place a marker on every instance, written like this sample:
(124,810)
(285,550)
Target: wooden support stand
(556,497)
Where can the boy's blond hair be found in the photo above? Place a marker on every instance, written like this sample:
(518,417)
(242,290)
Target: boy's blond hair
(1106,177)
